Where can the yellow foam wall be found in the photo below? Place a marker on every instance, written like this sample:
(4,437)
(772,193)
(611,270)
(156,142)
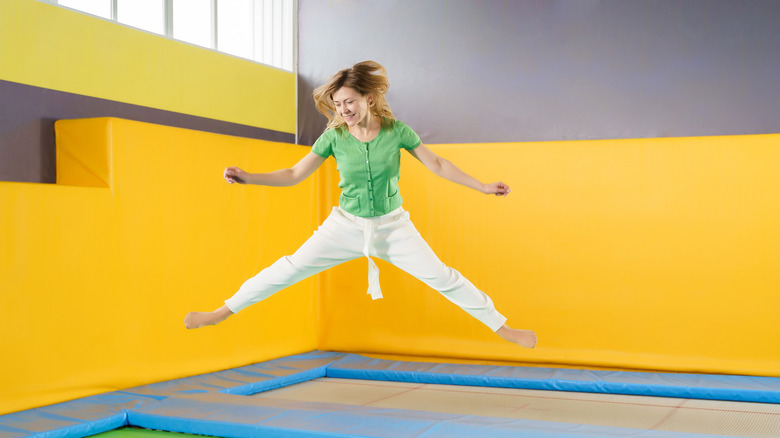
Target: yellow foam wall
(653,253)
(99,270)
(52,47)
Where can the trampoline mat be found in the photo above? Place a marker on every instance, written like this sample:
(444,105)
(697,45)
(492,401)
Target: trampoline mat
(709,417)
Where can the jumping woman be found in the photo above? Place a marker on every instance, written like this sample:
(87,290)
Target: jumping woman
(366,141)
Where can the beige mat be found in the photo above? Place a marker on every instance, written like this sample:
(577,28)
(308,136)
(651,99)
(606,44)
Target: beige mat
(648,413)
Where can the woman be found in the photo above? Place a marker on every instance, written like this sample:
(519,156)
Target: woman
(366,141)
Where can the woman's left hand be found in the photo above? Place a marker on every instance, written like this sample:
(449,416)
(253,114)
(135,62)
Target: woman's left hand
(497,188)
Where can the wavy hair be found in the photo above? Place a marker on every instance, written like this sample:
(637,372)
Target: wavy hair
(367,78)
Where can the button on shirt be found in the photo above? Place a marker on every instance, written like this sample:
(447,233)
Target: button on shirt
(369,170)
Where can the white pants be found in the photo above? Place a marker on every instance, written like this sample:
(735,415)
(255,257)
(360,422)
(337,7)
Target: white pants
(393,238)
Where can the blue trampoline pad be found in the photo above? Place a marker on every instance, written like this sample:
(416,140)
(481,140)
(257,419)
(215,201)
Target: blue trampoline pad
(237,416)
(692,386)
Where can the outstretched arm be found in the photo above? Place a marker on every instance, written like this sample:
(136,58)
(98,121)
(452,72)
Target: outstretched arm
(278,178)
(445,169)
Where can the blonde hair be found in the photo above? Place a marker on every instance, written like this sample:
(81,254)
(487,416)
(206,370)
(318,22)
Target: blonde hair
(367,78)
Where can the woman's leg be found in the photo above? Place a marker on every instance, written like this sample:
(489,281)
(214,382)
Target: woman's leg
(402,245)
(333,243)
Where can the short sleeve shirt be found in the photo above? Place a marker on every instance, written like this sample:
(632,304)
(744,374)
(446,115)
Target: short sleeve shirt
(369,170)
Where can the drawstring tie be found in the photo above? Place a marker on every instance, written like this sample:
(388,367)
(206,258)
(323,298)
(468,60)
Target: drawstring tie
(373,271)
(370,226)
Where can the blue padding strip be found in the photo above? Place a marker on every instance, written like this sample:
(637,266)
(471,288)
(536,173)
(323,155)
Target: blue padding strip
(228,415)
(693,386)
(77,418)
(246,380)
(278,382)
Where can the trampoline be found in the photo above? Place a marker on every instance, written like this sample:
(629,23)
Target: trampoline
(328,394)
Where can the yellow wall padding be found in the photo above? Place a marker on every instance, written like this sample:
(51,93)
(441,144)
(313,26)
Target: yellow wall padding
(97,276)
(652,253)
(52,47)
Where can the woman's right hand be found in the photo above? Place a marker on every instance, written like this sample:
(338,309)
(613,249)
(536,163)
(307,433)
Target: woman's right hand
(235,175)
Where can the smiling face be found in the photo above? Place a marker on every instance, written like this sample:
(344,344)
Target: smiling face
(352,106)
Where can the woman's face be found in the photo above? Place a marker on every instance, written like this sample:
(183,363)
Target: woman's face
(351,106)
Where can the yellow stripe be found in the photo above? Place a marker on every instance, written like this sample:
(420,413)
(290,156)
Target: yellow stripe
(52,47)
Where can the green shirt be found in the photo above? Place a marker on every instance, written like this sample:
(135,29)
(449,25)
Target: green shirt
(369,170)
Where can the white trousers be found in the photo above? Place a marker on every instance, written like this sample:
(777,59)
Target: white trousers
(393,238)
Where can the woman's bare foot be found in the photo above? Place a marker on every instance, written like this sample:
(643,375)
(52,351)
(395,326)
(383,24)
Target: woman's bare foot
(195,320)
(523,338)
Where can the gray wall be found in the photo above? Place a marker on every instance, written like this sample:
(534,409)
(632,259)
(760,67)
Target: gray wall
(466,71)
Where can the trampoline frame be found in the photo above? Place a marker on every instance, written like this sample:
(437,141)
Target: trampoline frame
(215,403)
